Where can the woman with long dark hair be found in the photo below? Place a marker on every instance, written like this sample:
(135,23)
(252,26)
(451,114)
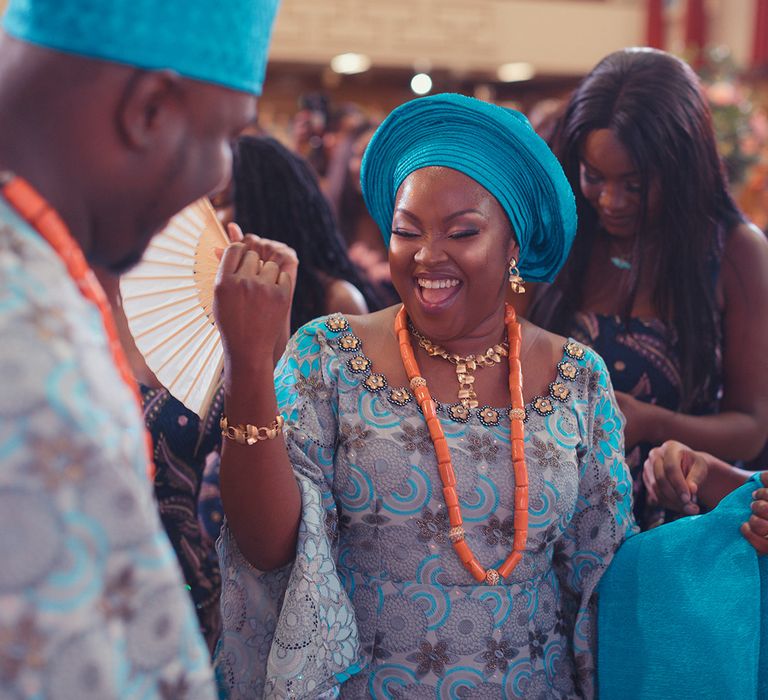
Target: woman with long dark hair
(276,195)
(666,279)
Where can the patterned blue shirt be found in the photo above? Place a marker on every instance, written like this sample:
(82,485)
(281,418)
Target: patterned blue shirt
(92,603)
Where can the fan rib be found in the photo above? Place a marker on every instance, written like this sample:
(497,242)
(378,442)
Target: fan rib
(192,357)
(166,305)
(214,386)
(201,371)
(194,336)
(181,241)
(167,263)
(156,292)
(170,251)
(168,320)
(157,278)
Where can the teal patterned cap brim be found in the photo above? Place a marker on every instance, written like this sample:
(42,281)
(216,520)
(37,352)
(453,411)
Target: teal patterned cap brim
(494,146)
(224,43)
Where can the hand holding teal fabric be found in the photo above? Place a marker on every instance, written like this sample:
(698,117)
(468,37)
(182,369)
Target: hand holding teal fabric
(755,530)
(682,613)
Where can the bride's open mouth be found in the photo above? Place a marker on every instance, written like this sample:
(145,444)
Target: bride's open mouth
(436,293)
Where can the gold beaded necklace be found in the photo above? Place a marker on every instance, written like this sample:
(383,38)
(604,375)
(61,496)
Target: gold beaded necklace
(465,366)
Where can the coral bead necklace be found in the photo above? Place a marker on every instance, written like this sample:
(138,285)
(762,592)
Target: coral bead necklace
(445,466)
(41,216)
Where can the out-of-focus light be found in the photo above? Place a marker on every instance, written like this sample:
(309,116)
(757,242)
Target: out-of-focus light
(350,63)
(421,83)
(515,72)
(484,92)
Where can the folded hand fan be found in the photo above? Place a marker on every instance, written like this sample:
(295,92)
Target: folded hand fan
(168,301)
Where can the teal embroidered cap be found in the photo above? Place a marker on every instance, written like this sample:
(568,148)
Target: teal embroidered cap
(224,43)
(494,146)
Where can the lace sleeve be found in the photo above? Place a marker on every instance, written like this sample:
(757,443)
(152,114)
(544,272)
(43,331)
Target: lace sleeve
(601,520)
(292,632)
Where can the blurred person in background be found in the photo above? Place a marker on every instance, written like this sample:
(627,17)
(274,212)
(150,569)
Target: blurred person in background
(363,237)
(308,130)
(545,115)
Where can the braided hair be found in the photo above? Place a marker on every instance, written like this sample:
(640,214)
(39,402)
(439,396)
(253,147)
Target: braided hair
(277,196)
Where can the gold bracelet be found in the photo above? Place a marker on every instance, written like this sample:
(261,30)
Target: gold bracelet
(250,434)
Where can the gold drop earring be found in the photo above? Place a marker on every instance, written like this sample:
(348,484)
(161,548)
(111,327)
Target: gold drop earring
(516,282)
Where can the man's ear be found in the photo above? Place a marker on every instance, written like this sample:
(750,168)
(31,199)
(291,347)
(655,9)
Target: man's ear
(151,102)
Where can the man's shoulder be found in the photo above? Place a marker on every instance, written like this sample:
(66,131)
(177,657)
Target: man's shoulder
(35,289)
(60,392)
(42,329)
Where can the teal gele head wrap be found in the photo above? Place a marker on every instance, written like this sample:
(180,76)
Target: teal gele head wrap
(217,42)
(494,146)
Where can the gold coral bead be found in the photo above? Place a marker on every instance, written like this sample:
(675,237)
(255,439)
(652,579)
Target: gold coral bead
(517,413)
(417,382)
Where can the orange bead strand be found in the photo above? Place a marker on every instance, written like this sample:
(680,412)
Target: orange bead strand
(31,206)
(445,466)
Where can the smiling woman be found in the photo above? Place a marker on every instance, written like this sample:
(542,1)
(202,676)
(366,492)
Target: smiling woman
(433,453)
(449,251)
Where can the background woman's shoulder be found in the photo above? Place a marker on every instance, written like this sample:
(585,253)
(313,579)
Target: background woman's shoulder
(343,297)
(744,273)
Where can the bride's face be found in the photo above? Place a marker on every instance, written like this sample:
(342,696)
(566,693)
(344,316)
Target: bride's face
(449,252)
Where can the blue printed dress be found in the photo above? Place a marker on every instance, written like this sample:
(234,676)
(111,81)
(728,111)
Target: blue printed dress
(376,601)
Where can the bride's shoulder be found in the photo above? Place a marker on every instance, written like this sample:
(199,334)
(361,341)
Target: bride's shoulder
(548,354)
(543,345)
(373,327)
(550,347)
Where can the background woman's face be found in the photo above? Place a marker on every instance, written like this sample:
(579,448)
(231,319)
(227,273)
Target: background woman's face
(611,183)
(449,252)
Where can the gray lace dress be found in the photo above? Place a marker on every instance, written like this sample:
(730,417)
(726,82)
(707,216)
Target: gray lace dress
(376,603)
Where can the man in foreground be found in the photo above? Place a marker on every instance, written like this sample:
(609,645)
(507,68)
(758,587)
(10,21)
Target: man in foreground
(115,115)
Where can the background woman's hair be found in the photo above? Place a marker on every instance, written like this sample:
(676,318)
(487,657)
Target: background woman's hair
(351,204)
(653,104)
(276,195)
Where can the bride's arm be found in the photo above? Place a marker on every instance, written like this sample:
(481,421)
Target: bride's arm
(259,491)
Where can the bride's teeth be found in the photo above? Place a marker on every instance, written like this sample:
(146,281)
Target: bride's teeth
(437,284)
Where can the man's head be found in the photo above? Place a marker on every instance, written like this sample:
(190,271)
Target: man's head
(123,114)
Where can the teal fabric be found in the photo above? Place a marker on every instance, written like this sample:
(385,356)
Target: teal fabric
(683,611)
(494,146)
(217,42)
